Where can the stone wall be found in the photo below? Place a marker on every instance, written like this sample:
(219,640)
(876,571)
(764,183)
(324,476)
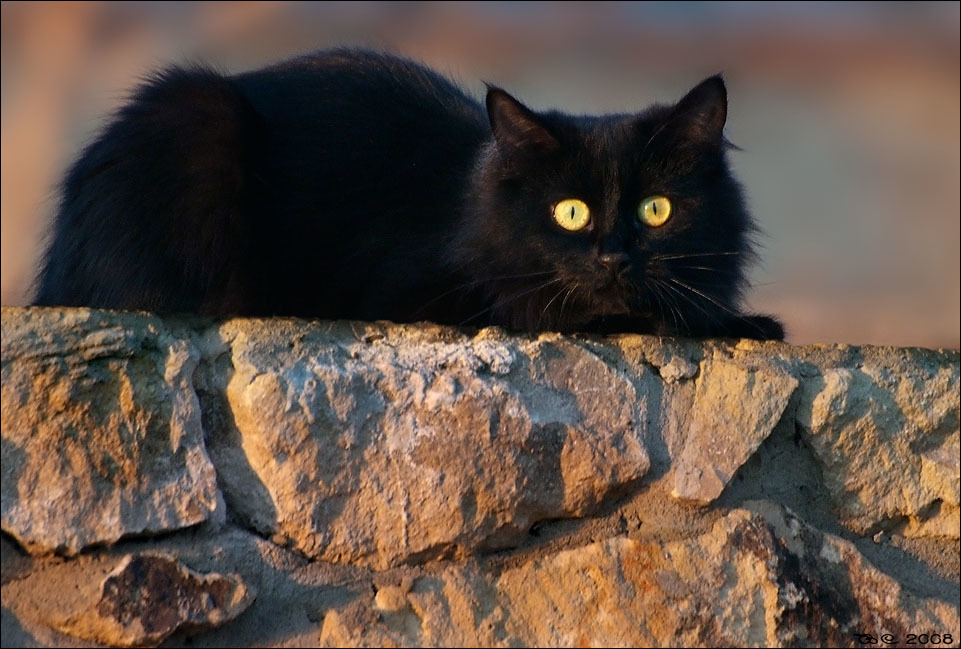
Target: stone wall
(286,482)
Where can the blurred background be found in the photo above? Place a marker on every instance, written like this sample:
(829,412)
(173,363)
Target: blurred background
(847,114)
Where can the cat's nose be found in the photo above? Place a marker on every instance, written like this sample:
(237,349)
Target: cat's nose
(616,262)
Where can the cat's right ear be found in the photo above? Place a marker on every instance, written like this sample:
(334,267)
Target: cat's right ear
(701,114)
(516,128)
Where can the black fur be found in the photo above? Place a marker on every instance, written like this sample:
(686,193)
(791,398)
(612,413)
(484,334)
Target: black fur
(349,184)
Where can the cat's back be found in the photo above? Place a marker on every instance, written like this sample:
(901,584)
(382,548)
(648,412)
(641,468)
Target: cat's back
(343,76)
(337,94)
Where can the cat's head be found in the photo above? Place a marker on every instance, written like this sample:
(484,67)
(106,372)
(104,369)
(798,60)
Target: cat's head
(637,217)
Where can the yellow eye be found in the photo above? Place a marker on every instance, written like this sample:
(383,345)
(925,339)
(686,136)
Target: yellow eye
(572,214)
(654,211)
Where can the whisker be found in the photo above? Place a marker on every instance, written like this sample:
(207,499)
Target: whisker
(670,292)
(509,299)
(475,283)
(671,120)
(716,270)
(674,309)
(657,132)
(717,303)
(695,304)
(706,284)
(548,305)
(661,303)
(691,255)
(564,301)
(707,297)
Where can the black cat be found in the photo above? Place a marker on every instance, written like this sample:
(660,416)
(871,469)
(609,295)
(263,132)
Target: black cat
(351,184)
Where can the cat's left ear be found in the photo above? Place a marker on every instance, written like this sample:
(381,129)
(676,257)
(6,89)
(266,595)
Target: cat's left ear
(702,112)
(516,128)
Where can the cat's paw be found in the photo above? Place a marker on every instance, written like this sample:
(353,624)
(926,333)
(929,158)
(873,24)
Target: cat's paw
(758,327)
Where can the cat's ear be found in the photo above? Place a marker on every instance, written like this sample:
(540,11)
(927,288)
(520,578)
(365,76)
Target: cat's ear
(516,128)
(701,114)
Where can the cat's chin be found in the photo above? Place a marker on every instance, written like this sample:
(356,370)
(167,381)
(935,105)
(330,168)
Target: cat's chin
(612,299)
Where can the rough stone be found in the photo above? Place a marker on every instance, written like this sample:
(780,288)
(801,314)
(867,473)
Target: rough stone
(735,409)
(756,578)
(147,598)
(886,437)
(382,448)
(101,429)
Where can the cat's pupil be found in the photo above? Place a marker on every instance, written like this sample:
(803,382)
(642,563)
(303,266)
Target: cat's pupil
(572,212)
(654,206)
